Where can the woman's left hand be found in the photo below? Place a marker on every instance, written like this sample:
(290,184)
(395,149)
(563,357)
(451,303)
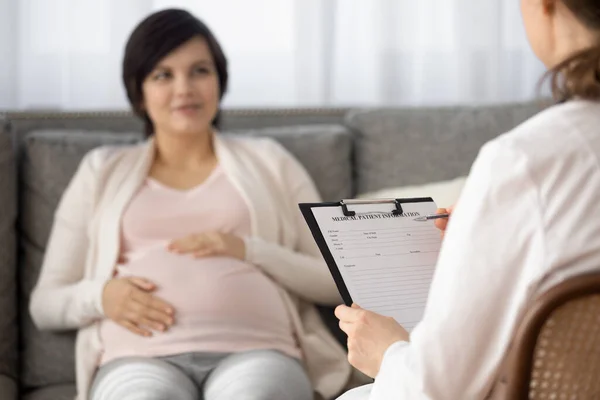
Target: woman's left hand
(210,244)
(369,336)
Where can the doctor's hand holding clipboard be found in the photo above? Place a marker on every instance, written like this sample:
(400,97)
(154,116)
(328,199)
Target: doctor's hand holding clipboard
(371,334)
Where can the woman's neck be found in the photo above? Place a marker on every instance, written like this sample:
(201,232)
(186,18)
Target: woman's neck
(185,152)
(570,36)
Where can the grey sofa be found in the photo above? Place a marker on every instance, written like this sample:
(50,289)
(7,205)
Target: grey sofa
(346,152)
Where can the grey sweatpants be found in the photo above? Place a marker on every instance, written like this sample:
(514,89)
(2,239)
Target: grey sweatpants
(252,375)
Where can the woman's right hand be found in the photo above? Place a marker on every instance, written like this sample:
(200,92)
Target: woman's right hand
(442,223)
(130,303)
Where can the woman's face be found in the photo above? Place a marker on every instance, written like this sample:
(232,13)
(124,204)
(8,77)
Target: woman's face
(181,95)
(538,25)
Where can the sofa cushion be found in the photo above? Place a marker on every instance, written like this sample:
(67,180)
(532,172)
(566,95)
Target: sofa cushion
(324,150)
(49,160)
(8,262)
(404,147)
(445,193)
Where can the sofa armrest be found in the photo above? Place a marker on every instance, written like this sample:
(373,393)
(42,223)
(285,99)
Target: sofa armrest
(8,388)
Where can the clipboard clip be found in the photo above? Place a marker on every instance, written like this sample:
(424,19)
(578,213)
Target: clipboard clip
(348,213)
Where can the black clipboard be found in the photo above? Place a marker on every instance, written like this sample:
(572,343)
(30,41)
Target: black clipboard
(306,209)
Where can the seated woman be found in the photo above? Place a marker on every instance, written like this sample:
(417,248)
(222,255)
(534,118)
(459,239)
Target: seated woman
(184,262)
(529,215)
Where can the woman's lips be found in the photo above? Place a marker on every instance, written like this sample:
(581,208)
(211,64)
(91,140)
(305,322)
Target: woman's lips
(188,109)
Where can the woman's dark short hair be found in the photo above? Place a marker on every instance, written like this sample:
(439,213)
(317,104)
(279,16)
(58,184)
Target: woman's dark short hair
(153,39)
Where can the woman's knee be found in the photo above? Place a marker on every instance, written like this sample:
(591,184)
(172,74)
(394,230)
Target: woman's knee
(141,378)
(360,393)
(259,375)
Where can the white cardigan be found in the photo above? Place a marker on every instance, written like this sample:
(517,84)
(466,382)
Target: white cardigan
(528,217)
(84,244)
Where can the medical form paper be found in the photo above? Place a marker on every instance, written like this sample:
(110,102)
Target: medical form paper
(380,261)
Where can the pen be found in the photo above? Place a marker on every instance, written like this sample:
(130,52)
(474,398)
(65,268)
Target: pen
(430,217)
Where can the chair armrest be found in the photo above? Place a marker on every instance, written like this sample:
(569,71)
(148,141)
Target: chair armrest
(8,388)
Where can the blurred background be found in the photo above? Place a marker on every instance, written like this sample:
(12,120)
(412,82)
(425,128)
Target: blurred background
(66,54)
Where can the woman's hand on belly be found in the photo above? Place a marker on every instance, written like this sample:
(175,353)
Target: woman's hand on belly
(130,303)
(209,245)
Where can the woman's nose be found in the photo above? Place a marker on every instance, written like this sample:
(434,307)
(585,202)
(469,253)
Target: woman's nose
(183,86)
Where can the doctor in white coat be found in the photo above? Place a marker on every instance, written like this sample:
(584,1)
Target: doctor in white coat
(528,217)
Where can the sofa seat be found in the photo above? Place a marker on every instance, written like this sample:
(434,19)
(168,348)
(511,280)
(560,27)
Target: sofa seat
(52,392)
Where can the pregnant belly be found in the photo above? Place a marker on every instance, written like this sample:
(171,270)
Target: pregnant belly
(216,300)
(211,286)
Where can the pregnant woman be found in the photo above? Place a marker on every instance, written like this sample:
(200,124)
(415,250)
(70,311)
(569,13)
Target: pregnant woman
(183,262)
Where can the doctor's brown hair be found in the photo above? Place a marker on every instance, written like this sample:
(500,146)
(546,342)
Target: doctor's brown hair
(579,75)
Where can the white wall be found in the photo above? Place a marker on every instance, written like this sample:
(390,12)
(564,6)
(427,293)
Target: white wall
(8,53)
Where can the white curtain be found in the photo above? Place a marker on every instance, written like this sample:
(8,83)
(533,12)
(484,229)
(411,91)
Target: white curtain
(66,54)
(431,52)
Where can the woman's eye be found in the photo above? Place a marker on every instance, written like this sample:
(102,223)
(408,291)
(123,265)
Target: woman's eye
(161,76)
(201,71)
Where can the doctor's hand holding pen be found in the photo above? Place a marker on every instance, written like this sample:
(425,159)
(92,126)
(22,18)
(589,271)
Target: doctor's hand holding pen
(442,223)
(440,218)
